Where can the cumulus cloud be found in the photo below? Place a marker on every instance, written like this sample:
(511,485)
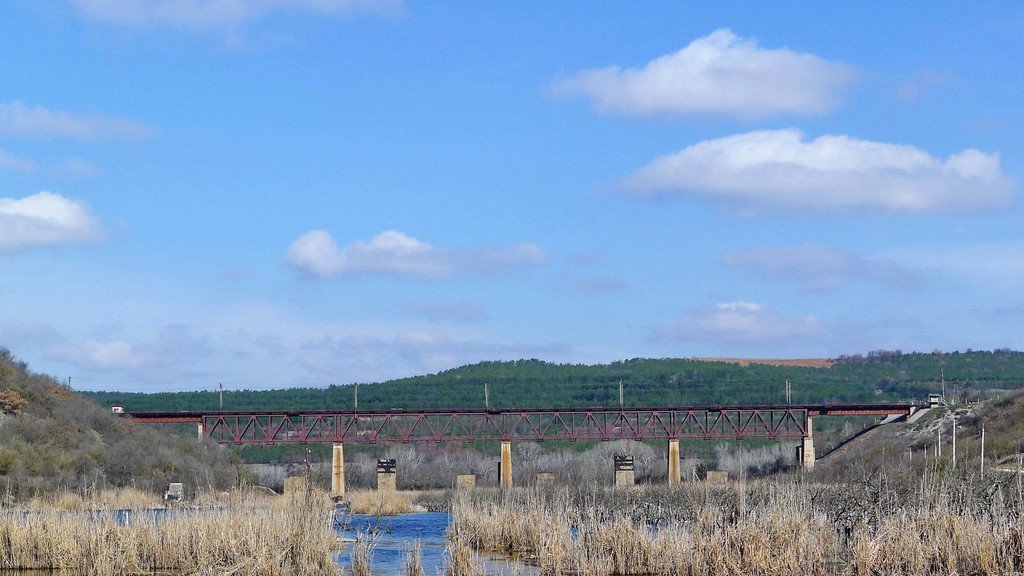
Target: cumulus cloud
(816,267)
(718,74)
(392,253)
(206,14)
(19,120)
(739,322)
(15,163)
(781,169)
(45,219)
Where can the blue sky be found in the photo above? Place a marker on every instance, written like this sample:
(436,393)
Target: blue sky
(269,193)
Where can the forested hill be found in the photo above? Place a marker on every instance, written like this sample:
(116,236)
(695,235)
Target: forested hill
(878,376)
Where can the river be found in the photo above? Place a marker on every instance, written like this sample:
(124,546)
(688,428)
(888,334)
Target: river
(395,534)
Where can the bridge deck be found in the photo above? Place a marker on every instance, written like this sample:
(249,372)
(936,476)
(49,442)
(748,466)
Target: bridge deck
(530,424)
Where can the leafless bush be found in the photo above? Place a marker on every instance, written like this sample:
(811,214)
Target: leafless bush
(755,462)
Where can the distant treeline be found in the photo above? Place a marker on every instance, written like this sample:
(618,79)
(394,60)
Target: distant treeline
(877,376)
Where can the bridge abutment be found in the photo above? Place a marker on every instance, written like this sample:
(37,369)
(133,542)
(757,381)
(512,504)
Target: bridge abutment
(505,465)
(338,470)
(674,472)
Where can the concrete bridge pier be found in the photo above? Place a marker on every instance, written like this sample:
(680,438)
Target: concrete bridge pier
(807,447)
(625,475)
(505,466)
(338,471)
(200,429)
(674,472)
(387,475)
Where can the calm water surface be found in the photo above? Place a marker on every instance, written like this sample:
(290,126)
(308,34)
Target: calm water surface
(397,533)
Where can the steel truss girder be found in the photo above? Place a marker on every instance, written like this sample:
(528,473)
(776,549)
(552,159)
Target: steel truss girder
(485,426)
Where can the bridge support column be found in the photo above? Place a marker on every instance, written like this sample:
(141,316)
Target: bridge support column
(200,429)
(674,473)
(338,471)
(505,466)
(387,475)
(625,476)
(807,447)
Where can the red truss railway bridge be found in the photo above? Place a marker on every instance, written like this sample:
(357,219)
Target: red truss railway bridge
(506,425)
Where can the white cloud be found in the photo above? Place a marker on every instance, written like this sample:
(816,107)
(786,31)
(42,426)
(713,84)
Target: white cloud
(19,120)
(207,14)
(990,265)
(45,219)
(23,334)
(104,355)
(393,253)
(780,169)
(175,348)
(15,163)
(717,74)
(816,267)
(740,322)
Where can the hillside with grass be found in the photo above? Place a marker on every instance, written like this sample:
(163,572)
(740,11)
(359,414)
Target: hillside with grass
(53,438)
(876,377)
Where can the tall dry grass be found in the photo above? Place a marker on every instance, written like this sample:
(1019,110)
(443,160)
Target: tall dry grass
(292,539)
(412,564)
(110,499)
(381,502)
(778,528)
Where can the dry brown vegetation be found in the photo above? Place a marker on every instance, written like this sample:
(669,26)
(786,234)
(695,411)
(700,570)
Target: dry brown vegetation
(110,499)
(797,362)
(292,538)
(381,502)
(948,525)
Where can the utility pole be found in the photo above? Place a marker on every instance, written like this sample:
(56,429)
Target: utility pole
(938,445)
(983,450)
(221,396)
(487,400)
(954,444)
(355,402)
(789,392)
(942,375)
(620,395)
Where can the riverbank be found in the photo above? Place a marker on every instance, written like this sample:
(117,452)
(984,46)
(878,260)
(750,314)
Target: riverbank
(940,525)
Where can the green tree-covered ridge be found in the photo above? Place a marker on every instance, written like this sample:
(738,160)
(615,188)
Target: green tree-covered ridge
(876,377)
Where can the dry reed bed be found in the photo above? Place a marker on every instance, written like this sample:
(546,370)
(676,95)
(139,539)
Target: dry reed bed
(381,502)
(290,539)
(767,528)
